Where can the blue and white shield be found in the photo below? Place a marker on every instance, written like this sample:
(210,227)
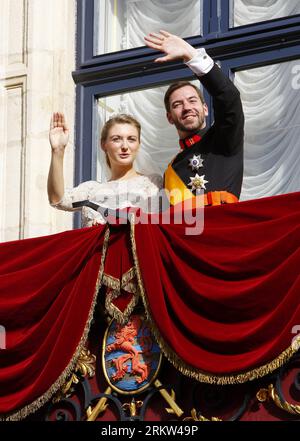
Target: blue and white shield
(131,357)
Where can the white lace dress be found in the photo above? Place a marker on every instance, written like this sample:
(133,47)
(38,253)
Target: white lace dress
(141,191)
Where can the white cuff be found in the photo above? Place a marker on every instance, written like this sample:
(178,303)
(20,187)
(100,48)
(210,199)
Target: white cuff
(201,63)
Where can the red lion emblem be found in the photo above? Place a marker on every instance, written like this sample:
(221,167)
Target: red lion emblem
(125,336)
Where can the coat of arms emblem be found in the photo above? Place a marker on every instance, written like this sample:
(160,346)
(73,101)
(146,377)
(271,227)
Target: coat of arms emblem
(131,357)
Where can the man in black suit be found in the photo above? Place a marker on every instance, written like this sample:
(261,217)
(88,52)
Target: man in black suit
(211,159)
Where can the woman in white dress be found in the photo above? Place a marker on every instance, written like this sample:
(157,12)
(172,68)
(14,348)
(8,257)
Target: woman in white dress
(120,139)
(119,292)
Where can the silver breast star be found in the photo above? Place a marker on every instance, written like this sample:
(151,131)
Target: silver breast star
(197,182)
(196,162)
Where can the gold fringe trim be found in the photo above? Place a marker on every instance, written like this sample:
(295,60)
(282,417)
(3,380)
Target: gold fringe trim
(115,284)
(126,277)
(39,402)
(121,316)
(189,370)
(131,287)
(111,282)
(128,285)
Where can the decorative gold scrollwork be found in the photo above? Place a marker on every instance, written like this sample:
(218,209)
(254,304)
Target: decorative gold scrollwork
(66,389)
(86,363)
(85,366)
(170,399)
(101,406)
(262,395)
(270,393)
(288,407)
(132,407)
(198,417)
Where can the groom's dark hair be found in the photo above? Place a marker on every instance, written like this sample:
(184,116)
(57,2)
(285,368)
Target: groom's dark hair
(179,85)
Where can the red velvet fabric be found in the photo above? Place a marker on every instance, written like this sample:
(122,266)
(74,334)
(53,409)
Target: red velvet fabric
(225,301)
(119,260)
(46,290)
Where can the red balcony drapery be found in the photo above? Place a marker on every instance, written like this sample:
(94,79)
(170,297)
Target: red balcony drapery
(223,304)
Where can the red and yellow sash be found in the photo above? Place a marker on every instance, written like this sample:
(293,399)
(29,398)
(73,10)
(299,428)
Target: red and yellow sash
(179,192)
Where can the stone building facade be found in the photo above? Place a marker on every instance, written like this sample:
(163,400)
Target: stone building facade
(37,56)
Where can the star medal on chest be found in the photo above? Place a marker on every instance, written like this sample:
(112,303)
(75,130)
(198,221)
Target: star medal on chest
(197,182)
(196,162)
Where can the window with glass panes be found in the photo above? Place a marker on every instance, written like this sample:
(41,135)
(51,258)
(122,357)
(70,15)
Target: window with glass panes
(255,43)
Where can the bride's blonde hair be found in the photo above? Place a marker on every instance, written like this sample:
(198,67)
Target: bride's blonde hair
(121,118)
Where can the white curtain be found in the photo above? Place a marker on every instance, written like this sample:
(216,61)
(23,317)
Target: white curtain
(182,17)
(270,95)
(271,101)
(253,11)
(159,139)
(271,105)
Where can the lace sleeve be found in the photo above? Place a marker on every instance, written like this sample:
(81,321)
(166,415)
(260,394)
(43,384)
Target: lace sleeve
(153,193)
(80,193)
(157,183)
